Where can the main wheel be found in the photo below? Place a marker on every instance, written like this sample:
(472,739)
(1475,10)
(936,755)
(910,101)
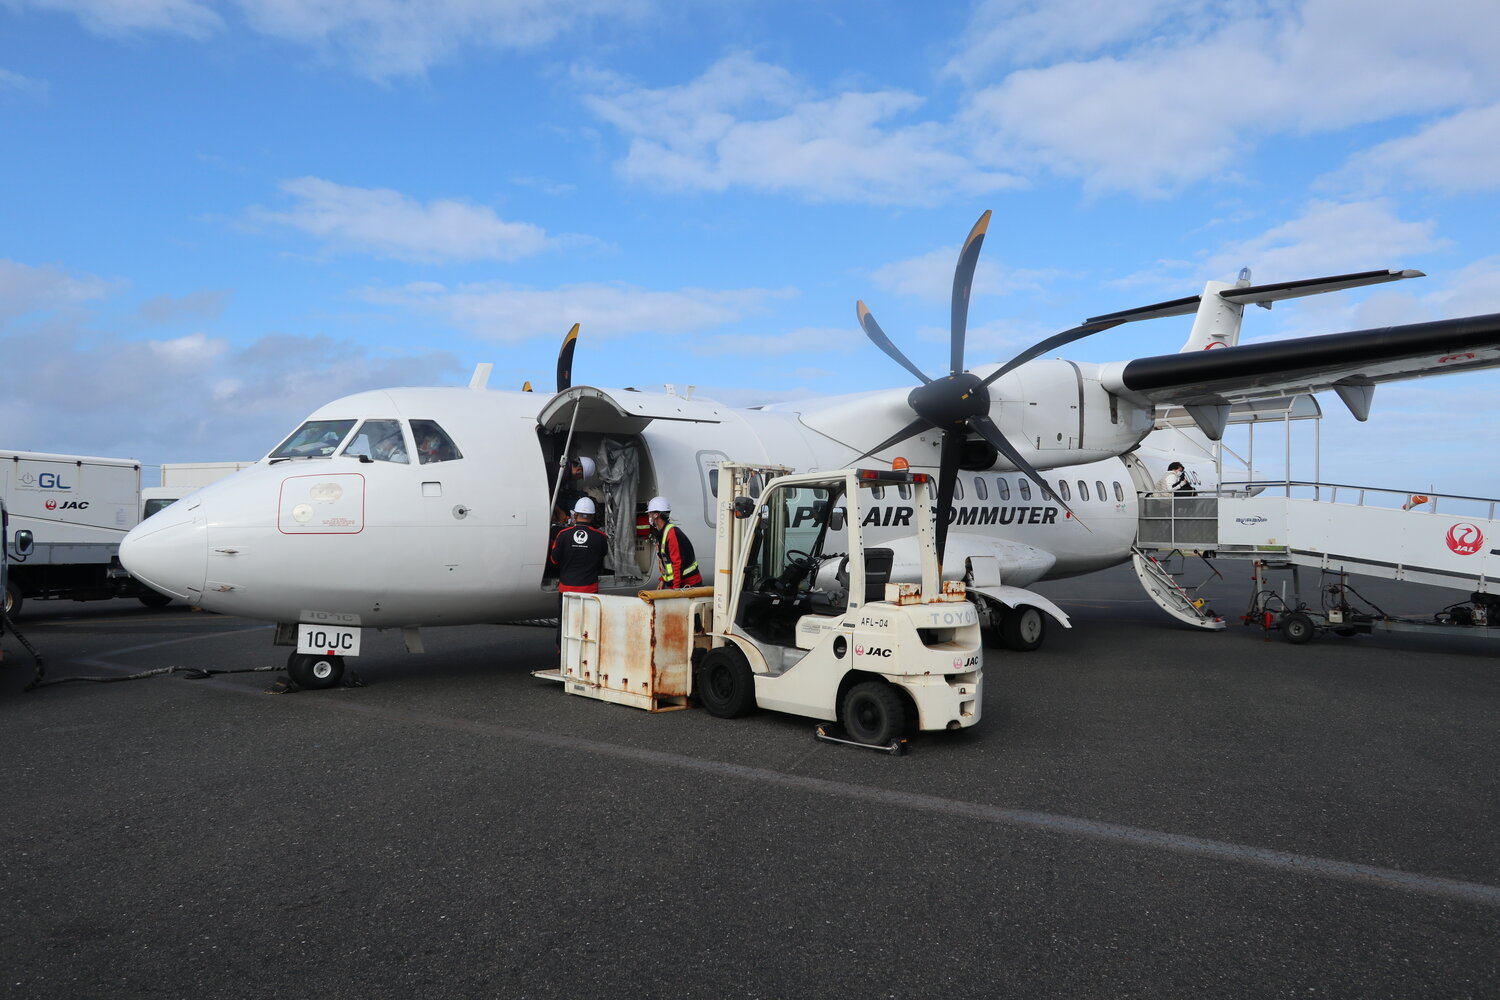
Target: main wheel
(13,598)
(873,713)
(315,672)
(1297,627)
(1023,629)
(724,684)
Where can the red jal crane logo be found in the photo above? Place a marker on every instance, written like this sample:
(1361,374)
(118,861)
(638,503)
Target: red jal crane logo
(1465,539)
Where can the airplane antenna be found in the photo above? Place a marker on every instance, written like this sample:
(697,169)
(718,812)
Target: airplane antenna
(481,378)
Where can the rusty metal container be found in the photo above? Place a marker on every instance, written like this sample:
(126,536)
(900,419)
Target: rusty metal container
(630,651)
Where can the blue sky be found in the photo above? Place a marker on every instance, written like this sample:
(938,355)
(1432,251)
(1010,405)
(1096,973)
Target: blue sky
(219,215)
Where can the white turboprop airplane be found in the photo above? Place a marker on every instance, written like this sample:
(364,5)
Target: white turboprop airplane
(411,507)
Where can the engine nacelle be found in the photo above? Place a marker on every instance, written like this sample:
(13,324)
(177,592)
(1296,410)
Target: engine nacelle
(1059,413)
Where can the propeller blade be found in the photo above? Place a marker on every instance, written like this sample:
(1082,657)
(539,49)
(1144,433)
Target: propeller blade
(565,359)
(987,430)
(963,283)
(877,336)
(915,427)
(953,443)
(1066,337)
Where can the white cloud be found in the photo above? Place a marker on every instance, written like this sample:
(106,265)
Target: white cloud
(809,340)
(122,17)
(90,389)
(387,223)
(930,277)
(19,84)
(1473,290)
(163,309)
(185,353)
(1150,112)
(1460,153)
(378,38)
(386,38)
(1027,32)
(1327,238)
(25,289)
(745,123)
(500,312)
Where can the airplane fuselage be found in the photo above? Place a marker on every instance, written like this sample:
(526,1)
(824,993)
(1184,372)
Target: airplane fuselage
(459,541)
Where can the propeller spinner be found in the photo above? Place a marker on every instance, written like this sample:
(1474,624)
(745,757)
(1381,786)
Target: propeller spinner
(958,404)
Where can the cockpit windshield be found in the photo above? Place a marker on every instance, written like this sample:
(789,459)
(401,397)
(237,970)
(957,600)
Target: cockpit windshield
(379,441)
(314,439)
(433,443)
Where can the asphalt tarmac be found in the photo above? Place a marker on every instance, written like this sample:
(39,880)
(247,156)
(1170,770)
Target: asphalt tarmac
(1144,811)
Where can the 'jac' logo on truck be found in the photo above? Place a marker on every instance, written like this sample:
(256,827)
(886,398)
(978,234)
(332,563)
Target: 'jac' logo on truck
(1465,539)
(67,505)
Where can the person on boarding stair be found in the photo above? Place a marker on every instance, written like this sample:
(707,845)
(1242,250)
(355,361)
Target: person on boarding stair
(1174,481)
(674,552)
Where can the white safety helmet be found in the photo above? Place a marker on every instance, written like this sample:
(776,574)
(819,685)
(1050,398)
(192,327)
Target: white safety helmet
(585,505)
(659,505)
(588,468)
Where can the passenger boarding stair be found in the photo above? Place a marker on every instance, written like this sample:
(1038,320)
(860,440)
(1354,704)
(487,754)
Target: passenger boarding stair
(1160,574)
(1442,541)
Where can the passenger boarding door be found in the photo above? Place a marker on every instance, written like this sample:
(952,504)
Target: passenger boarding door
(708,474)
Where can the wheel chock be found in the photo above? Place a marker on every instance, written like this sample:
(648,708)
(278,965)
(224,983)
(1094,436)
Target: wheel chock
(895,747)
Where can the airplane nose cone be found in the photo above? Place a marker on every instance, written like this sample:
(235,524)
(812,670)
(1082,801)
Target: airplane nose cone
(169,552)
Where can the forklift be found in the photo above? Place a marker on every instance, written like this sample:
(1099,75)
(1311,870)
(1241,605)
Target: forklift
(801,618)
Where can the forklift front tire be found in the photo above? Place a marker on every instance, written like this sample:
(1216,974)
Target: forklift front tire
(873,713)
(724,684)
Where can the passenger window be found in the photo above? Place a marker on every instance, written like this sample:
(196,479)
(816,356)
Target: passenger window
(1119,493)
(1099,490)
(958,489)
(878,492)
(713,483)
(1063,484)
(433,443)
(314,439)
(379,441)
(904,490)
(1024,485)
(1083,491)
(1001,482)
(981,491)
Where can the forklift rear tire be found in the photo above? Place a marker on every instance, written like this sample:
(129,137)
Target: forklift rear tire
(1023,629)
(724,684)
(873,713)
(1297,627)
(315,672)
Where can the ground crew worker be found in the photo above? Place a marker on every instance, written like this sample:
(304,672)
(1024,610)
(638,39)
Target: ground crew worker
(674,553)
(572,489)
(578,553)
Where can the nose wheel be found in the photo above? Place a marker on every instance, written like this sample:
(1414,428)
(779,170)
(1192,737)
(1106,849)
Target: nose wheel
(313,671)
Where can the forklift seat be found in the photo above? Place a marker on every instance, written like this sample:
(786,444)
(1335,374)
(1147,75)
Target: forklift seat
(878,564)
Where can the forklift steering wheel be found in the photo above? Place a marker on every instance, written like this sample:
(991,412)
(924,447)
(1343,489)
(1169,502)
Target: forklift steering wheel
(799,564)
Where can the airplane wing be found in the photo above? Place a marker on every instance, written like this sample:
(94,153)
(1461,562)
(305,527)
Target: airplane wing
(1311,364)
(1351,364)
